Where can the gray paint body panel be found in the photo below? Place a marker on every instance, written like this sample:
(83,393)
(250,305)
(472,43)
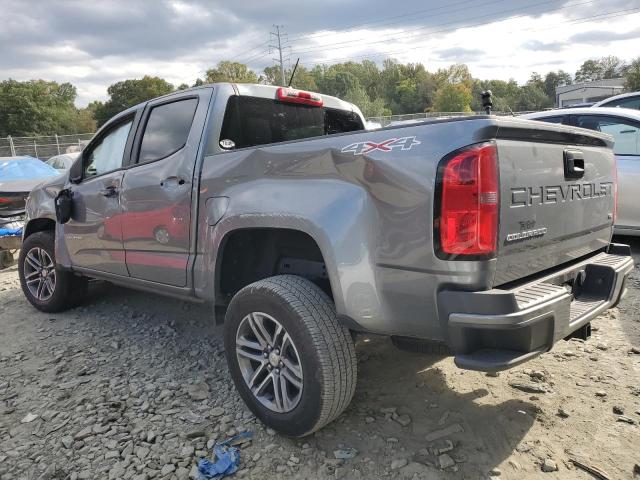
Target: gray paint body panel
(371,214)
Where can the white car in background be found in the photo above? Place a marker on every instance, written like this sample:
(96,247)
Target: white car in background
(625,100)
(624,125)
(63,161)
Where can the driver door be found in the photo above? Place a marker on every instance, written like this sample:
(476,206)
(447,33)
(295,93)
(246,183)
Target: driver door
(93,235)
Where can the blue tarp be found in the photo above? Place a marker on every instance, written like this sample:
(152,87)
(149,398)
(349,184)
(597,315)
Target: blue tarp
(10,232)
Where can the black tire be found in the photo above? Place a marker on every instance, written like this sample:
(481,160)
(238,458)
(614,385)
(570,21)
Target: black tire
(326,350)
(69,289)
(417,345)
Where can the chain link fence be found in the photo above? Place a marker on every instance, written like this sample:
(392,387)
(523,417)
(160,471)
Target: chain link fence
(43,147)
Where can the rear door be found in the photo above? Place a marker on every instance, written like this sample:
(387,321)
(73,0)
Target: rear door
(93,235)
(557,198)
(156,195)
(626,135)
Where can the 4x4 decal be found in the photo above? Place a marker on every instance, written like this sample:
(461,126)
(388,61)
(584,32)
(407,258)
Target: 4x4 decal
(360,148)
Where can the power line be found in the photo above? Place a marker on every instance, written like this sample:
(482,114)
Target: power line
(602,16)
(414,14)
(279,45)
(257,56)
(250,51)
(250,55)
(406,33)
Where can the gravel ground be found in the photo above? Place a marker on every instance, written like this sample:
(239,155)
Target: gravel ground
(132,385)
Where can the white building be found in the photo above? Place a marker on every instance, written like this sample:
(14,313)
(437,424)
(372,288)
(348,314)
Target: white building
(588,92)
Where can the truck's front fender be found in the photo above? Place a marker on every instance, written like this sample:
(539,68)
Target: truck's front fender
(41,215)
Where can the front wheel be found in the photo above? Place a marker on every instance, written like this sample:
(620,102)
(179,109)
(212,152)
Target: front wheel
(293,364)
(43,282)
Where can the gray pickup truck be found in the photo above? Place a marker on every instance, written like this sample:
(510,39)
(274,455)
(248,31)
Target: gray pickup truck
(485,237)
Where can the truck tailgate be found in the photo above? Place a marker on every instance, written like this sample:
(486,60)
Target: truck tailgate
(557,201)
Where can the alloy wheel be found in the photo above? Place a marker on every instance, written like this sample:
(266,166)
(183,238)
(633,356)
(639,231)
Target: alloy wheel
(269,362)
(40,274)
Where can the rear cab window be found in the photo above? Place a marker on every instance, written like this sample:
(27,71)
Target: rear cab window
(253,121)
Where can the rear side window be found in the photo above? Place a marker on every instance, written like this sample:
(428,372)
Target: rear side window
(167,129)
(551,119)
(626,134)
(629,102)
(252,121)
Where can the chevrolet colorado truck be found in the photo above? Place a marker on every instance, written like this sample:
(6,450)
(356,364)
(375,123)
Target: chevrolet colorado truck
(488,237)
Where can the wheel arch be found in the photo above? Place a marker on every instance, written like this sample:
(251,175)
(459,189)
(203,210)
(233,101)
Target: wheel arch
(271,251)
(38,225)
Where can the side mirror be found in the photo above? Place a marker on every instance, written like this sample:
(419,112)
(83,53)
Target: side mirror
(75,172)
(64,206)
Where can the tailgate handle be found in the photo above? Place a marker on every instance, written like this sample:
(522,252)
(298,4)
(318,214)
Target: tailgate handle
(573,164)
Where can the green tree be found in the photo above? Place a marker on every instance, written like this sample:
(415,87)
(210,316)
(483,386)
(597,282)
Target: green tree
(536,81)
(589,71)
(599,69)
(554,80)
(227,71)
(303,79)
(39,107)
(504,94)
(128,93)
(632,76)
(455,74)
(453,98)
(612,67)
(532,97)
(359,97)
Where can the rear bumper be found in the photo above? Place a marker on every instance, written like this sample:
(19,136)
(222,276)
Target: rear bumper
(497,329)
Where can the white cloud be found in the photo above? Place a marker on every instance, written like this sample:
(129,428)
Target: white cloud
(95,45)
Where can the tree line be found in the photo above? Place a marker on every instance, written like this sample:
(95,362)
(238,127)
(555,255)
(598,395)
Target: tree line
(39,107)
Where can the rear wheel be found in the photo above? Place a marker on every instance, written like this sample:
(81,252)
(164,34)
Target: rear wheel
(46,286)
(292,362)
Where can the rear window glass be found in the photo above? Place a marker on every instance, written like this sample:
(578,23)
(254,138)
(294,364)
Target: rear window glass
(626,134)
(167,129)
(629,102)
(251,121)
(551,119)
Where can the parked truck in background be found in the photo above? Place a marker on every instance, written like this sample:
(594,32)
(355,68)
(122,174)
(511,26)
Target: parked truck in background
(488,237)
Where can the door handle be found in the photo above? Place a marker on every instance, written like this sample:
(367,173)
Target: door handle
(573,164)
(110,191)
(173,182)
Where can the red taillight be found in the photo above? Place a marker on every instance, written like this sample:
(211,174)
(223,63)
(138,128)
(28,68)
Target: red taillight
(469,202)
(292,95)
(4,200)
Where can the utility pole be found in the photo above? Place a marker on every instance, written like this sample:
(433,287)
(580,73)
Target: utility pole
(279,45)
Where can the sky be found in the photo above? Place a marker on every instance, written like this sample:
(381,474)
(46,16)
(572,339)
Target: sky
(93,44)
